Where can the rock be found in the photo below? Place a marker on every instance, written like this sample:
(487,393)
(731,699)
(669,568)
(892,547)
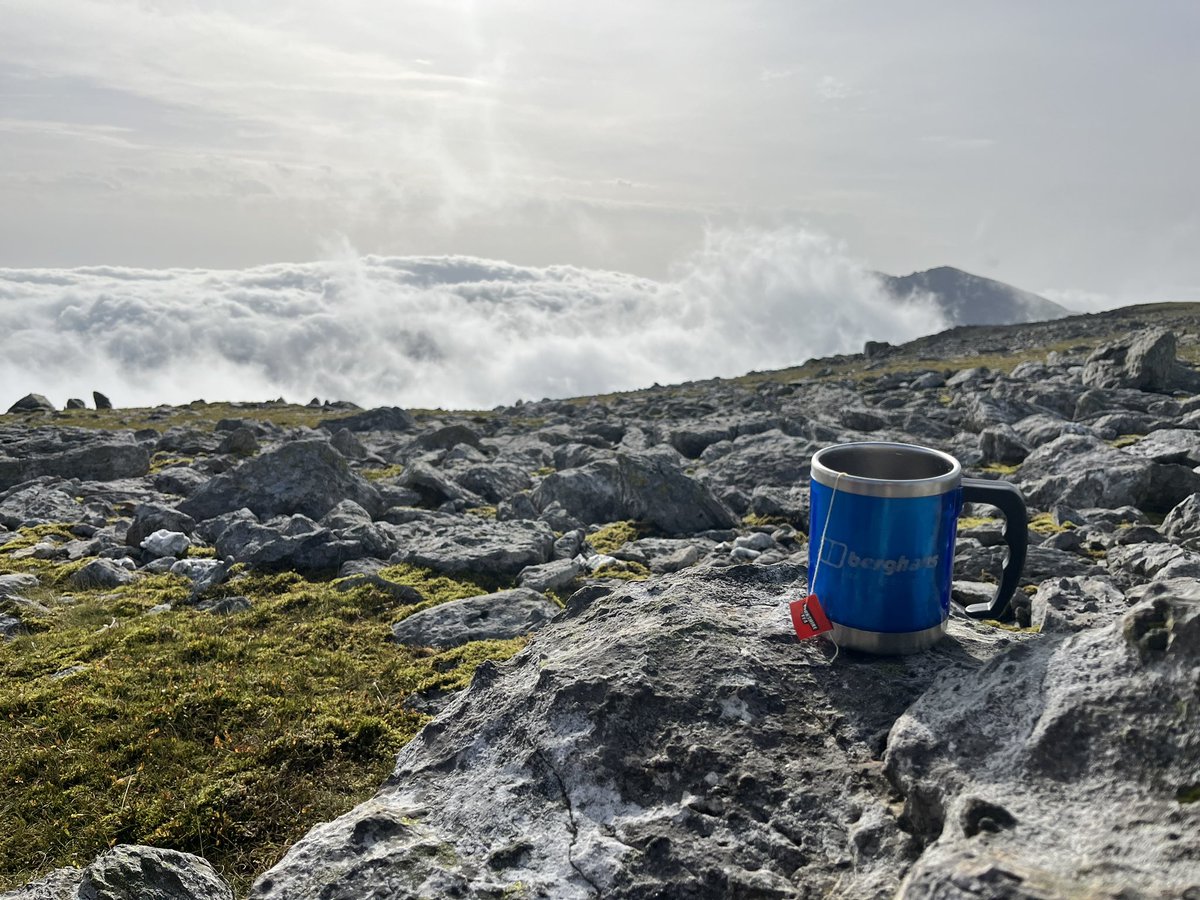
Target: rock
(552,576)
(13,584)
(1169,445)
(1182,523)
(1082,471)
(151,517)
(358,573)
(241,441)
(1145,361)
(166,543)
(1001,444)
(32,403)
(76,403)
(39,505)
(448,544)
(505,614)
(1144,561)
(630,751)
(1073,604)
(101,401)
(447,437)
(435,488)
(270,547)
(494,482)
(203,573)
(347,514)
(345,442)
(63,454)
(861,419)
(382,419)
(131,872)
(101,573)
(181,480)
(647,488)
(306,476)
(1084,759)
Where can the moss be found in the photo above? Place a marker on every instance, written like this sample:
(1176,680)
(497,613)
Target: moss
(544,471)
(1125,440)
(483,512)
(1189,794)
(162,460)
(966,522)
(1001,468)
(392,471)
(626,571)
(753,520)
(1009,626)
(225,736)
(1045,525)
(614,536)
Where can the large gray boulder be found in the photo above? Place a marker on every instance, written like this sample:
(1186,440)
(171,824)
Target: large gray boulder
(1064,767)
(131,872)
(464,545)
(73,453)
(31,403)
(1182,524)
(647,487)
(1082,471)
(668,739)
(39,504)
(504,614)
(307,477)
(1145,361)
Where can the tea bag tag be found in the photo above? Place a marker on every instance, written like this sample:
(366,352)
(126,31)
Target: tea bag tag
(808,618)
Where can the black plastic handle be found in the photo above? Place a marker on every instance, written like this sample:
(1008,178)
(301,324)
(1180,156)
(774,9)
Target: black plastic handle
(1006,498)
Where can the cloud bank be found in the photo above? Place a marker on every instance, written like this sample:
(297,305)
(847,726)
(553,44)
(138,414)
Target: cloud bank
(450,331)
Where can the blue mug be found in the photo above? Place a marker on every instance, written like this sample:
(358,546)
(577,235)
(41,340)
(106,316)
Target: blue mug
(882,524)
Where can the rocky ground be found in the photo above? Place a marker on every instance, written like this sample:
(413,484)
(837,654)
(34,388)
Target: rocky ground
(664,735)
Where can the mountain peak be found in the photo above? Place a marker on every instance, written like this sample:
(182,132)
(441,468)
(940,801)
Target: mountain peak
(969,299)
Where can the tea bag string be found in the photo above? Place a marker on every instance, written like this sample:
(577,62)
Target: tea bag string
(812,584)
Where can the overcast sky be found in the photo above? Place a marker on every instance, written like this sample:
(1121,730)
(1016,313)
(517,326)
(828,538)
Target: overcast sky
(1052,145)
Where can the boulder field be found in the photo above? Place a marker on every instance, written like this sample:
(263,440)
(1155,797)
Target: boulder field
(663,734)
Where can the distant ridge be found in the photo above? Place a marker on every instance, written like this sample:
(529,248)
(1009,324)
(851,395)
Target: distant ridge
(967,299)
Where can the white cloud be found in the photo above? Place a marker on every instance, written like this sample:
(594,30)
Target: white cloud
(438,331)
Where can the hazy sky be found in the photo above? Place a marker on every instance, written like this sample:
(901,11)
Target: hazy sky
(1052,145)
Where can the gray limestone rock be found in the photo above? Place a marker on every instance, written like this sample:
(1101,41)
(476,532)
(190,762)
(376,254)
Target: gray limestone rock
(1076,603)
(306,476)
(665,739)
(73,453)
(32,403)
(1002,444)
(1083,471)
(39,504)
(103,573)
(151,517)
(164,543)
(1058,769)
(1182,523)
(1169,445)
(1145,361)
(382,419)
(131,872)
(551,576)
(504,614)
(646,487)
(455,546)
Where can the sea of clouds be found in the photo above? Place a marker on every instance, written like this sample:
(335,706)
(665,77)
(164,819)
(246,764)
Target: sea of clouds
(452,332)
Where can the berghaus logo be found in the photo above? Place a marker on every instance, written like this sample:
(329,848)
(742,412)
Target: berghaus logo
(837,555)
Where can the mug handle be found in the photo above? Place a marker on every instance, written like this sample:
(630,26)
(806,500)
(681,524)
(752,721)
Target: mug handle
(1006,498)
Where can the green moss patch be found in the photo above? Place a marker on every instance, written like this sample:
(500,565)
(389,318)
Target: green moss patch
(381,474)
(226,736)
(614,536)
(1045,525)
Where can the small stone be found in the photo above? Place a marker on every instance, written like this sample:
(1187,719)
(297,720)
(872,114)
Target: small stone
(166,543)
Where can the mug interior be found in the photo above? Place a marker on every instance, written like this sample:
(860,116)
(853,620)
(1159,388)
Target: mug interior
(887,462)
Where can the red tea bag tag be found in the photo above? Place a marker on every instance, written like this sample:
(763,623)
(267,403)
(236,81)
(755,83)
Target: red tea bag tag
(808,618)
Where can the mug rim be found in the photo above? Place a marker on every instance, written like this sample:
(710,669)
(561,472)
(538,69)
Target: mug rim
(887,487)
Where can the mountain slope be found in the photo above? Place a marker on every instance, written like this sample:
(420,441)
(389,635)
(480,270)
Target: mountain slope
(968,299)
